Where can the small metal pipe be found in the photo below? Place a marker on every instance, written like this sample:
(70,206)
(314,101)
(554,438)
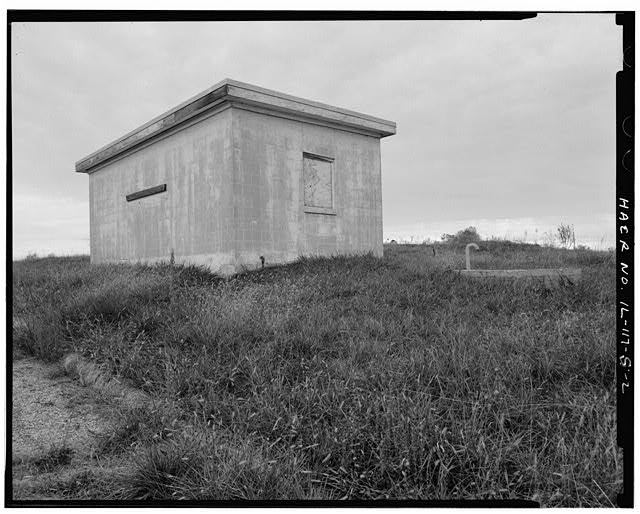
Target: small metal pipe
(467,253)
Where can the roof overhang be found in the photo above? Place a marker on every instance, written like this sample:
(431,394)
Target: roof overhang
(245,96)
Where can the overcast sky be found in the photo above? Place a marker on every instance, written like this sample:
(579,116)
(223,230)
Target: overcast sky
(505,125)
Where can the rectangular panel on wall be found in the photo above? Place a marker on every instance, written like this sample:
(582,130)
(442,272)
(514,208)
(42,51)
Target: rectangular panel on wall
(318,184)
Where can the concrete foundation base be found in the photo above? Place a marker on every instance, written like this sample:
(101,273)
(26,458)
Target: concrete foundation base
(549,277)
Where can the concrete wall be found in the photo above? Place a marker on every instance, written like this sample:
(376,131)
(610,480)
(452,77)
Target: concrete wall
(235,193)
(193,217)
(268,167)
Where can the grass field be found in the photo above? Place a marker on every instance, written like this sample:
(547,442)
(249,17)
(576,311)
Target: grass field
(354,378)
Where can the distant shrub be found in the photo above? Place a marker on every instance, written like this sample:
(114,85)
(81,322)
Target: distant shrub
(465,236)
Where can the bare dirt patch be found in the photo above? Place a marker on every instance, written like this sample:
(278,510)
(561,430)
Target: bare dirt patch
(56,423)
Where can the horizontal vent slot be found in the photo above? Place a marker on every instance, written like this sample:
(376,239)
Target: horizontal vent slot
(147,192)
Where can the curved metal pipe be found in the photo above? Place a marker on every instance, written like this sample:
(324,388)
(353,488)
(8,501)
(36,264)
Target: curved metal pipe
(467,253)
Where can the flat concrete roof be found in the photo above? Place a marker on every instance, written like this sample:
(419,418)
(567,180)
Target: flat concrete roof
(247,96)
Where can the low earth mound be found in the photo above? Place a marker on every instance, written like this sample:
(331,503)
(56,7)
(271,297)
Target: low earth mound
(352,377)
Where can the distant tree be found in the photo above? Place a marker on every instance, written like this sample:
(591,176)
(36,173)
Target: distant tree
(466,236)
(567,236)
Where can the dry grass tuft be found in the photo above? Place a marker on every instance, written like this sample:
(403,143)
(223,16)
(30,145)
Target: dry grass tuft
(95,376)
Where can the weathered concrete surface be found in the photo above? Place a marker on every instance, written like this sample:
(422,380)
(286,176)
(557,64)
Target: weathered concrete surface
(550,277)
(235,185)
(272,218)
(193,218)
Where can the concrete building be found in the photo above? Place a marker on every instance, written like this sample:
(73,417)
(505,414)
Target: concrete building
(237,173)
